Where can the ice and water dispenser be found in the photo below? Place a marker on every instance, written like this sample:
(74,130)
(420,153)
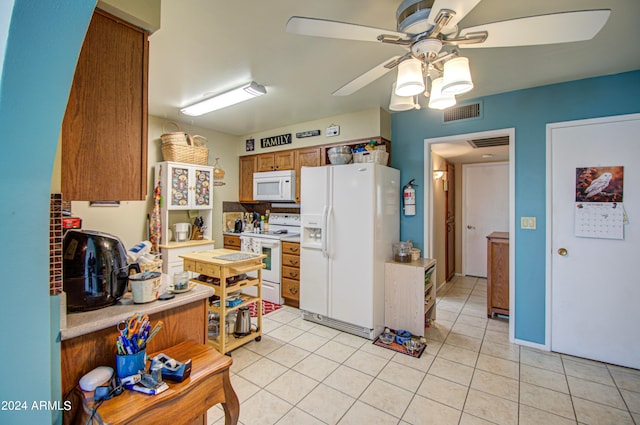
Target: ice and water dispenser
(312,228)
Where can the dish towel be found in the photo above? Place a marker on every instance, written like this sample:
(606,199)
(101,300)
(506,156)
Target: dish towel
(251,244)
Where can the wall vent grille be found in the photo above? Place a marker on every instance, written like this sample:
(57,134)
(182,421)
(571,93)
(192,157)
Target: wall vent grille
(489,142)
(462,112)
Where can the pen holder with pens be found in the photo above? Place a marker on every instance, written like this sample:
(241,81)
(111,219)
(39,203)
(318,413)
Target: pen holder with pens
(131,344)
(127,365)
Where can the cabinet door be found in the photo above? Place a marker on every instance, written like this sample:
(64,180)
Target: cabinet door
(202,182)
(104,131)
(308,157)
(265,162)
(247,168)
(179,194)
(283,160)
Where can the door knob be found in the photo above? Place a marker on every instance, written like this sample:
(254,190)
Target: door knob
(563,251)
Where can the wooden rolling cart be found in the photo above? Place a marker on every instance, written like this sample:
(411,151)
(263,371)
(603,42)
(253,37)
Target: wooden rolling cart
(223,264)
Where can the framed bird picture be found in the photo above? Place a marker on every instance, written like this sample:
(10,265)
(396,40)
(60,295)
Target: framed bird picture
(599,184)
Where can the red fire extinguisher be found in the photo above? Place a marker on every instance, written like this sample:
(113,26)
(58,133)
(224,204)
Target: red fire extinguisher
(409,198)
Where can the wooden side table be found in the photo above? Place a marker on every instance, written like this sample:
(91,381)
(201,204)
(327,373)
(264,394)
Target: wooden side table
(184,402)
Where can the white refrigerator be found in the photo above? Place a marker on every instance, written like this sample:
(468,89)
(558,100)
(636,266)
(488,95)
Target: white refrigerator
(350,218)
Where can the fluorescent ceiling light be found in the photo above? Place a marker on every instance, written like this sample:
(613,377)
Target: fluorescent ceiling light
(231,97)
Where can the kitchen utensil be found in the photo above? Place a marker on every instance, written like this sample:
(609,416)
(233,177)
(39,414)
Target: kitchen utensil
(340,155)
(243,322)
(95,269)
(182,231)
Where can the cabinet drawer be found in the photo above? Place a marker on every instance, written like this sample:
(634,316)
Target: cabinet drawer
(291,248)
(290,273)
(208,269)
(232,242)
(290,260)
(290,289)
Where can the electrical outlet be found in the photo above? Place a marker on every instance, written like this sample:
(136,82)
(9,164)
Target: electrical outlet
(334,130)
(528,223)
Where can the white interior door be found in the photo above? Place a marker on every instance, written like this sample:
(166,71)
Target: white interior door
(594,290)
(485,192)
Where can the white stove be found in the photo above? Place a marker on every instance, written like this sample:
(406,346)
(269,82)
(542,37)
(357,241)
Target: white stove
(280,226)
(270,243)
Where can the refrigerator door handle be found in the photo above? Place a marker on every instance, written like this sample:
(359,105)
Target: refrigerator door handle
(327,230)
(324,231)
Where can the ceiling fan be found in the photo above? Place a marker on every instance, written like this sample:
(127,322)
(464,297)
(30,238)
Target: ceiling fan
(428,29)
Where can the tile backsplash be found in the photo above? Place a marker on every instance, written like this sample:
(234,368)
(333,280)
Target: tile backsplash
(55,244)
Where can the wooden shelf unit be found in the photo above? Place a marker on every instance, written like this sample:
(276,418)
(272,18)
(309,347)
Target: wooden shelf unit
(410,295)
(205,263)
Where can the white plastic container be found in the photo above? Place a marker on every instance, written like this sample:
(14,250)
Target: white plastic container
(145,287)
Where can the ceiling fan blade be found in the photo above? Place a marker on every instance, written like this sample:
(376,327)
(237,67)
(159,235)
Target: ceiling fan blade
(367,78)
(543,29)
(335,29)
(461,7)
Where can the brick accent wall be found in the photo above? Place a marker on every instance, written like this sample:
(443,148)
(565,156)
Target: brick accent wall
(55,244)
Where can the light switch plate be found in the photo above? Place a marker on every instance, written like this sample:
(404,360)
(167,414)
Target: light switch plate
(528,223)
(334,130)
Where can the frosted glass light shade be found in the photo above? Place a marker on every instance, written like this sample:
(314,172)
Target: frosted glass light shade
(400,103)
(410,81)
(457,77)
(438,100)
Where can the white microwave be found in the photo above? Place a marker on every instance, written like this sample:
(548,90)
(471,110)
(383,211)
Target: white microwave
(275,186)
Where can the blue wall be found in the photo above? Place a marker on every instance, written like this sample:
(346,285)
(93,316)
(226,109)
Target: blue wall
(38,65)
(528,111)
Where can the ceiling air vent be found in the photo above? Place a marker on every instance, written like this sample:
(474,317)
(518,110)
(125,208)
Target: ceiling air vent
(489,142)
(462,112)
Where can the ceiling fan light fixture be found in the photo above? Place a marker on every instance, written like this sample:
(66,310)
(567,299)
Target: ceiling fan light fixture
(410,81)
(239,94)
(438,100)
(400,103)
(457,76)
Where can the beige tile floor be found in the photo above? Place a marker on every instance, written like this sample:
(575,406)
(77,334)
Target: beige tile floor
(302,373)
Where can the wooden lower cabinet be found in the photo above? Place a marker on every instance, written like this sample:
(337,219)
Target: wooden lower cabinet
(290,287)
(498,273)
(232,242)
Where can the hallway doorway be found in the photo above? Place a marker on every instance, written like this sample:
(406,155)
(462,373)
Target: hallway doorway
(459,150)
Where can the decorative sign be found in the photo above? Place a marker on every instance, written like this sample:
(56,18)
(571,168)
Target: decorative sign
(268,142)
(249,145)
(309,133)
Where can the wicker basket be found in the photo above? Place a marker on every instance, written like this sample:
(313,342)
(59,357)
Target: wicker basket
(176,137)
(154,266)
(187,154)
(178,146)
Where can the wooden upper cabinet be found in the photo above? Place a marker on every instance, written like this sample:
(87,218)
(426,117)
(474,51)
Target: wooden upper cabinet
(306,157)
(247,168)
(104,131)
(275,161)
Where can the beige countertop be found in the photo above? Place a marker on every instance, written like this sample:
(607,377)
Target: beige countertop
(91,321)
